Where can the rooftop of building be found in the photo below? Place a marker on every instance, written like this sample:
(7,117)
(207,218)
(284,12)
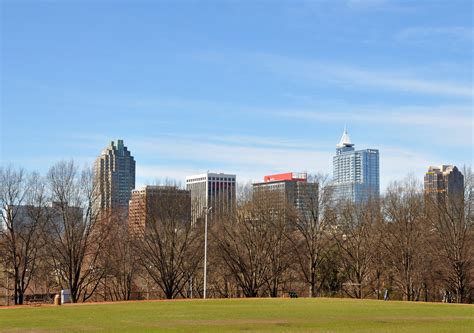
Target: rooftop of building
(444,168)
(301,176)
(289,177)
(210,174)
(117,145)
(345,140)
(148,188)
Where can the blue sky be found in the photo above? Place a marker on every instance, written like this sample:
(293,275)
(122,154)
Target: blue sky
(245,87)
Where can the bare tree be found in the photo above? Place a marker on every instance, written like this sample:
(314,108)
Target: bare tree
(404,234)
(358,245)
(170,247)
(76,236)
(243,242)
(23,215)
(378,265)
(451,219)
(221,281)
(121,262)
(281,254)
(253,243)
(314,226)
(271,206)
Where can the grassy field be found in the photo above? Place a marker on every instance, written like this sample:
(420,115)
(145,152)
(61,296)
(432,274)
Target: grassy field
(262,315)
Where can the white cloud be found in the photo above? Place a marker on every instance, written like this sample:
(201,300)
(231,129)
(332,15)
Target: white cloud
(396,163)
(349,76)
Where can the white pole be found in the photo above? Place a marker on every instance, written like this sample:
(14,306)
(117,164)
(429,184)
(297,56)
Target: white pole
(205,252)
(208,209)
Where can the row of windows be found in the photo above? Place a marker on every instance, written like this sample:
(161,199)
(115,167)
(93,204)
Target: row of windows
(226,179)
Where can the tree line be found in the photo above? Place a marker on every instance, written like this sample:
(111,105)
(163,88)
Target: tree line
(416,247)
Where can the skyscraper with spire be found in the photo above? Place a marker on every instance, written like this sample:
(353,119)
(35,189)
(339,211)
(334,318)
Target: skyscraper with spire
(114,178)
(355,172)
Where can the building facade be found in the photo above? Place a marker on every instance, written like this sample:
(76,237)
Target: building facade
(114,172)
(356,173)
(445,181)
(216,190)
(289,188)
(150,204)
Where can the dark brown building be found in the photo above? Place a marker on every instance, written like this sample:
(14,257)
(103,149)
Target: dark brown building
(150,204)
(288,188)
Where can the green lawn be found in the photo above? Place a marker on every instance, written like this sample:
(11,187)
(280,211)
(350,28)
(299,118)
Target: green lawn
(263,315)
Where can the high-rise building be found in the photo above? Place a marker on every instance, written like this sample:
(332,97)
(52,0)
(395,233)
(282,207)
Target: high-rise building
(446,181)
(355,172)
(115,178)
(216,190)
(288,188)
(152,203)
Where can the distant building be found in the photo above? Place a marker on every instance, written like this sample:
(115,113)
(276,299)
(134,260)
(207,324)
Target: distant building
(114,171)
(53,213)
(445,181)
(288,188)
(216,190)
(355,172)
(152,203)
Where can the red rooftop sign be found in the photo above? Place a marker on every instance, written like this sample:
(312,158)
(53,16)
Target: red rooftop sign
(301,176)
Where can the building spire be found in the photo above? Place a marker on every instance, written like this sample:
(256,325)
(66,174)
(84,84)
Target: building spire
(345,140)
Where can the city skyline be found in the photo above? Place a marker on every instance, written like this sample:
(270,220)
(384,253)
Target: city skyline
(250,89)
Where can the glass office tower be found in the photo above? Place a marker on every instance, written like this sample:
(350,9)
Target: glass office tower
(355,172)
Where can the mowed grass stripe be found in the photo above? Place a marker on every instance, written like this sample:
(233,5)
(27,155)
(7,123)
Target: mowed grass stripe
(229,315)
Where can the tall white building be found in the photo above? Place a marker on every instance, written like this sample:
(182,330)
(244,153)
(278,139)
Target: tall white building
(216,190)
(355,172)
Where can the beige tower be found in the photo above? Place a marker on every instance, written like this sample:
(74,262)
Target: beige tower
(114,178)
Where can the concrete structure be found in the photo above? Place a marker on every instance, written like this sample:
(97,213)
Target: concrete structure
(289,188)
(114,173)
(152,203)
(216,190)
(445,181)
(355,172)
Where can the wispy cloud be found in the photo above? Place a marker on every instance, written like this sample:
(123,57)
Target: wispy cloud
(453,117)
(396,163)
(248,159)
(448,126)
(435,34)
(210,153)
(350,76)
(366,3)
(252,163)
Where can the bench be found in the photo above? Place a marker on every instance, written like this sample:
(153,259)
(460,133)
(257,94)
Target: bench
(292,294)
(38,299)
